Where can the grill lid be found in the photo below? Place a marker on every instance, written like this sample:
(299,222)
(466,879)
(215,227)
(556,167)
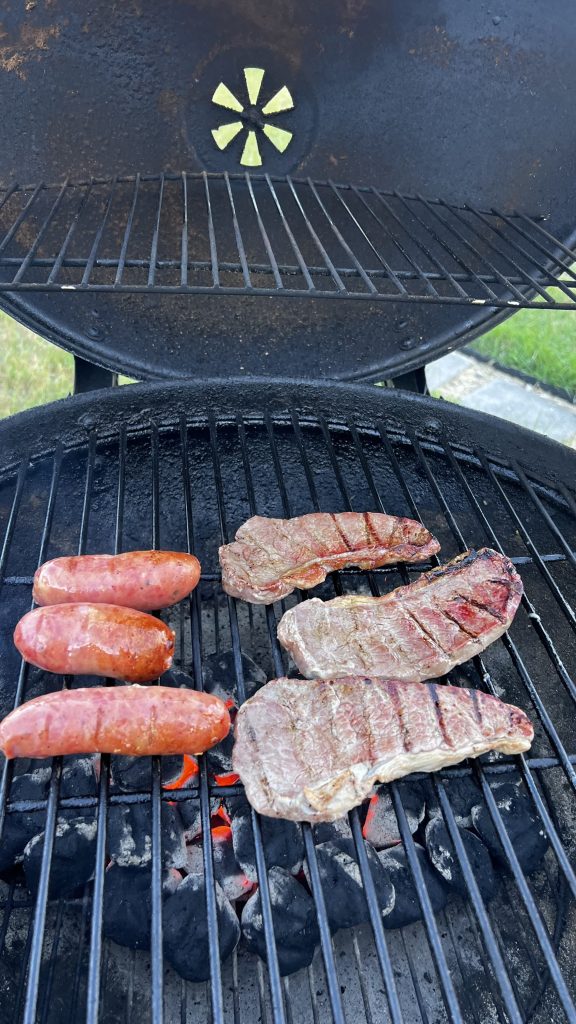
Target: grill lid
(454,102)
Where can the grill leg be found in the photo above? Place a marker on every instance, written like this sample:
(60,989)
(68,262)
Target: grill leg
(88,376)
(413,381)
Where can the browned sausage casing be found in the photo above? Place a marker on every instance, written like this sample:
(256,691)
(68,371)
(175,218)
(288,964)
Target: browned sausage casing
(146,580)
(134,720)
(96,639)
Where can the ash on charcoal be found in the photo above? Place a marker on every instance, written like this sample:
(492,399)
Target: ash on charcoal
(282,841)
(381,826)
(219,675)
(294,919)
(446,861)
(73,857)
(219,758)
(185,926)
(33,784)
(342,883)
(19,828)
(127,905)
(227,871)
(406,908)
(80,777)
(522,824)
(130,838)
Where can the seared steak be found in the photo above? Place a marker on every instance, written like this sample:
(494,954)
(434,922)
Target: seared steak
(312,749)
(270,557)
(414,633)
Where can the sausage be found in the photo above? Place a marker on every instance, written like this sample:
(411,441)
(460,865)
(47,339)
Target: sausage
(96,639)
(147,580)
(134,720)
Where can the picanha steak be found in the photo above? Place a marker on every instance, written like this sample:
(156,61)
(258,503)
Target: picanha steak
(416,632)
(310,750)
(270,557)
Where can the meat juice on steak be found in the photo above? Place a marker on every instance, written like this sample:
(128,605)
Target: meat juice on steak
(416,632)
(271,557)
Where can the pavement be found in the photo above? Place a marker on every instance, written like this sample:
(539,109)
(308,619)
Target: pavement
(459,378)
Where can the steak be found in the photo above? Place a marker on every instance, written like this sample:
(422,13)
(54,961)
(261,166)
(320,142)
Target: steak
(416,632)
(270,557)
(312,749)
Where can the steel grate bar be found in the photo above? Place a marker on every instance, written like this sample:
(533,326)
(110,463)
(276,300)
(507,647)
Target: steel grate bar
(334,273)
(20,218)
(238,234)
(127,233)
(477,277)
(434,293)
(369,284)
(98,236)
(449,277)
(156,235)
(184,239)
(211,235)
(263,232)
(57,264)
(555,280)
(216,993)
(289,232)
(271,952)
(387,268)
(498,249)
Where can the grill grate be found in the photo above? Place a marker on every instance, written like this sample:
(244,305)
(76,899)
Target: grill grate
(240,234)
(187,480)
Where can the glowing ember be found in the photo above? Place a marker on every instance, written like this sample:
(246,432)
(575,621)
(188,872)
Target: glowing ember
(229,779)
(189,771)
(370,815)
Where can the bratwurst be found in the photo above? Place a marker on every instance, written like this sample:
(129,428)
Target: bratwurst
(146,580)
(96,639)
(133,720)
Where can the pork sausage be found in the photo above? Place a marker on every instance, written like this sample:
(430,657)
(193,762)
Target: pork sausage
(134,720)
(96,639)
(147,580)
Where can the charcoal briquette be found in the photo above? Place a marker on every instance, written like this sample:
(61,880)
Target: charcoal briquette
(282,840)
(445,859)
(381,826)
(522,824)
(343,886)
(127,904)
(227,871)
(219,674)
(327,831)
(19,828)
(294,920)
(33,784)
(219,758)
(73,857)
(185,928)
(463,794)
(80,776)
(130,835)
(406,908)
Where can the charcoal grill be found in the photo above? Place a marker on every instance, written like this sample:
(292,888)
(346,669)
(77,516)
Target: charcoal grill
(236,278)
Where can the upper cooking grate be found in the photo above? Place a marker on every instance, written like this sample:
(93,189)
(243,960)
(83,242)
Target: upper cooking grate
(241,234)
(184,472)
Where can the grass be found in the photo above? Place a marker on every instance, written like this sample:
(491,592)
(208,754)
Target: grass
(542,343)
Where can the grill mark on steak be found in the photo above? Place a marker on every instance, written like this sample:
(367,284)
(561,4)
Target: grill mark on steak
(484,607)
(460,625)
(476,707)
(426,632)
(347,545)
(399,711)
(433,694)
